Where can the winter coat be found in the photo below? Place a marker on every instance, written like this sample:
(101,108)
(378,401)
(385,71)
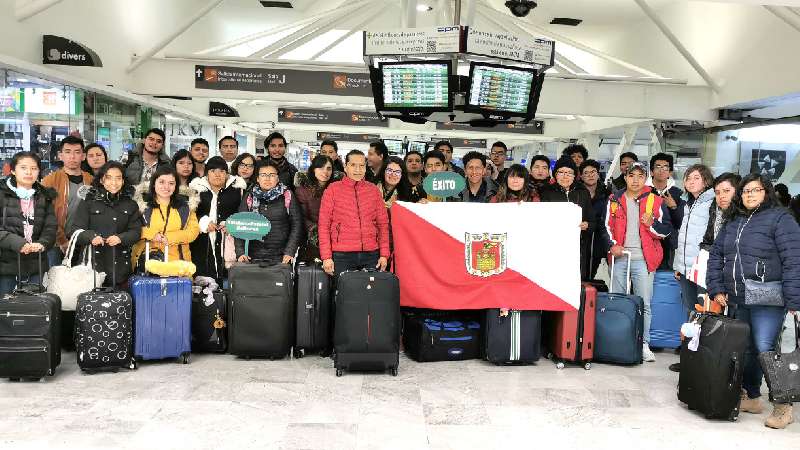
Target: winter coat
(98,215)
(12,238)
(616,223)
(711,234)
(59,181)
(692,228)
(768,244)
(490,190)
(286,172)
(599,203)
(181,229)
(208,256)
(309,203)
(286,231)
(134,164)
(579,195)
(389,199)
(676,217)
(353,218)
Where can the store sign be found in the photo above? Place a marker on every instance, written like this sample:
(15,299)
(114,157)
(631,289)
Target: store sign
(62,51)
(347,137)
(444,184)
(253,79)
(534,127)
(219,109)
(331,117)
(498,44)
(413,41)
(49,101)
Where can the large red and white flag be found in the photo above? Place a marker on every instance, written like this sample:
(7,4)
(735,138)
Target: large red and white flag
(476,255)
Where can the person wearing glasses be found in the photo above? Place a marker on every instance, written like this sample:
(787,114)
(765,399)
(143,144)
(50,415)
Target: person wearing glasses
(755,265)
(244,166)
(568,189)
(479,188)
(636,220)
(447,149)
(392,180)
(590,177)
(661,167)
(273,200)
(497,154)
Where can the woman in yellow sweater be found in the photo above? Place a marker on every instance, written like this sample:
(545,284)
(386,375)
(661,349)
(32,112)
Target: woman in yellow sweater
(169,218)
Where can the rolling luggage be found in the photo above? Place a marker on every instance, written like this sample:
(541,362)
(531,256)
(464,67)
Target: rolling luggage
(711,378)
(515,338)
(163,310)
(261,311)
(313,310)
(104,328)
(442,336)
(209,321)
(619,326)
(571,334)
(367,327)
(668,313)
(30,331)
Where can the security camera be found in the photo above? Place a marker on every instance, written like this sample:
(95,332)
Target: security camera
(520,8)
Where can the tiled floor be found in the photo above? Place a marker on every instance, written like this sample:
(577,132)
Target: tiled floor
(220,402)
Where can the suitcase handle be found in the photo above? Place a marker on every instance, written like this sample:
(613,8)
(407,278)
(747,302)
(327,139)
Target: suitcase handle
(39,285)
(113,270)
(628,278)
(737,367)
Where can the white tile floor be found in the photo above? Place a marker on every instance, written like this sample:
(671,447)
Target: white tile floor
(220,402)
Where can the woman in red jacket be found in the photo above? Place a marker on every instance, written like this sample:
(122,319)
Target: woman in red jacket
(353,222)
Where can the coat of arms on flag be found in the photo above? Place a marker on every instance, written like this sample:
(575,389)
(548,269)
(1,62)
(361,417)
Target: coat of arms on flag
(485,253)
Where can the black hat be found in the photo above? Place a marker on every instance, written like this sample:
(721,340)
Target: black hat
(216,162)
(565,161)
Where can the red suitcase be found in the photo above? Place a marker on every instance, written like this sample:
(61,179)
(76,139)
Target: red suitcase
(571,336)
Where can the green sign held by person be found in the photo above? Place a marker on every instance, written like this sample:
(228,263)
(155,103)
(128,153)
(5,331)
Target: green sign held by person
(444,184)
(248,226)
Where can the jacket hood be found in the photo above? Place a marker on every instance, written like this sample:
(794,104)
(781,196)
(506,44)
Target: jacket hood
(48,193)
(141,193)
(670,183)
(201,184)
(301,179)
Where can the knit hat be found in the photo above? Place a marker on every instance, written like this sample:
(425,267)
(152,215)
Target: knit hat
(565,161)
(216,162)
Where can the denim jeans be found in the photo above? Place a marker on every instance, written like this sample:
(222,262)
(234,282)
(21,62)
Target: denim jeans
(642,282)
(55,256)
(343,261)
(766,324)
(689,293)
(9,282)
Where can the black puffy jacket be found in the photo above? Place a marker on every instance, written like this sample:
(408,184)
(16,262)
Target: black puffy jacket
(228,201)
(286,233)
(12,238)
(579,195)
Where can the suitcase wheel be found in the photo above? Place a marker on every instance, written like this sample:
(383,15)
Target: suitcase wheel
(132,365)
(394,371)
(339,372)
(185,358)
(560,365)
(587,366)
(299,353)
(549,356)
(51,372)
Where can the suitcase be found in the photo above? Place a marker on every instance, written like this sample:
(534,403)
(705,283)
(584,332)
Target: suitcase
(571,333)
(667,310)
(313,310)
(367,326)
(619,326)
(209,321)
(261,311)
(515,338)
(710,379)
(444,336)
(30,331)
(163,310)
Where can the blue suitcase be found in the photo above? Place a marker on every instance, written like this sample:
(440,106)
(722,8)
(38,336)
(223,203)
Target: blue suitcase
(619,327)
(163,311)
(668,313)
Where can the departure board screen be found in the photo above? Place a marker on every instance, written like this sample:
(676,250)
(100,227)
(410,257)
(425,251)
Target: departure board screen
(502,89)
(418,146)
(416,85)
(395,146)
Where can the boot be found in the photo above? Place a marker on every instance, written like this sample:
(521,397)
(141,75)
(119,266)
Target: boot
(781,416)
(750,405)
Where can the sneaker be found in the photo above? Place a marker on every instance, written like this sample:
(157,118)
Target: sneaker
(647,354)
(750,405)
(781,416)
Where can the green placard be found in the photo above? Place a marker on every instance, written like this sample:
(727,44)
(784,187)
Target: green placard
(248,226)
(444,184)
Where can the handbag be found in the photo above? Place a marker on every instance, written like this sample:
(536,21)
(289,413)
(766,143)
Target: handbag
(763,293)
(68,281)
(697,274)
(782,371)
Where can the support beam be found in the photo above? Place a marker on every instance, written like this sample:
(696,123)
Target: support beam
(259,35)
(355,29)
(677,44)
(568,65)
(469,17)
(445,12)
(408,14)
(787,15)
(33,7)
(177,32)
(457,13)
(565,40)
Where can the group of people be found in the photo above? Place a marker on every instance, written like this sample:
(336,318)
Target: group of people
(338,212)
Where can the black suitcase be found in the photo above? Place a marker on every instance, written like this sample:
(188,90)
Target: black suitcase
(261,311)
(444,336)
(30,332)
(313,310)
(711,378)
(515,338)
(367,326)
(104,330)
(209,321)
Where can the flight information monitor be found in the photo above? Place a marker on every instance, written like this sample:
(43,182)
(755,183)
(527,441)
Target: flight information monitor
(500,89)
(395,146)
(418,146)
(416,86)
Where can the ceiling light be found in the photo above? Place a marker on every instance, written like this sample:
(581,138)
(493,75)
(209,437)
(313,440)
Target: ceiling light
(22,80)
(424,8)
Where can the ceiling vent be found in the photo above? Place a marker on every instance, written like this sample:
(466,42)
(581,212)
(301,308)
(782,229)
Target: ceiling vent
(566,21)
(266,4)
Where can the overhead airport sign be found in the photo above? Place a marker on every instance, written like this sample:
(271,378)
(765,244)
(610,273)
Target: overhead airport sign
(462,143)
(219,109)
(534,127)
(498,44)
(347,137)
(413,41)
(254,79)
(62,51)
(331,117)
